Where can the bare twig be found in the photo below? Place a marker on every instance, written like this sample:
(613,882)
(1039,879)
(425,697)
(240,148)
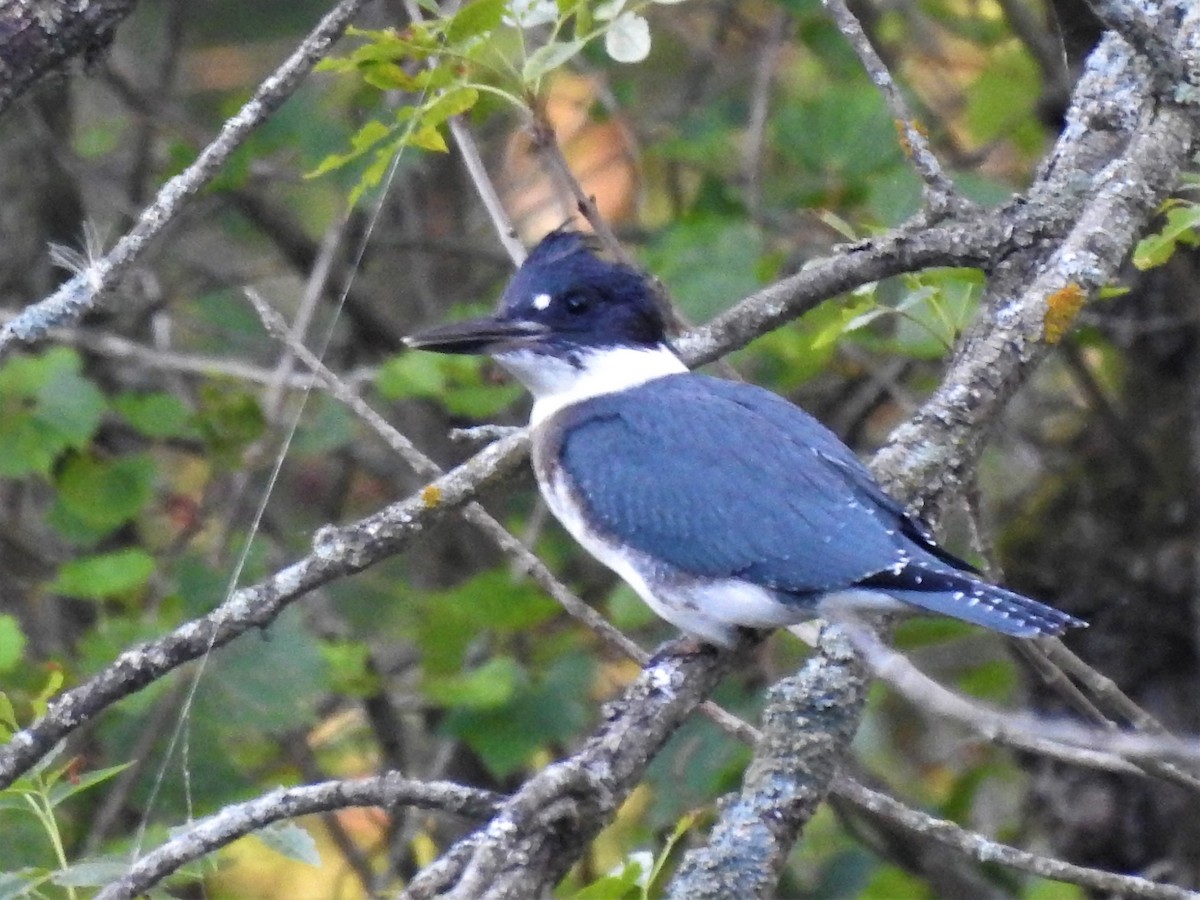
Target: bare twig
(940,194)
(986,850)
(465,142)
(1104,748)
(84,290)
(547,146)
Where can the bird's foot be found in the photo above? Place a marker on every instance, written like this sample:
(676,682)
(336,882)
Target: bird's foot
(686,646)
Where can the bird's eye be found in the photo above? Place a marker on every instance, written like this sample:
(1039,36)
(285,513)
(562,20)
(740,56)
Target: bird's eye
(575,302)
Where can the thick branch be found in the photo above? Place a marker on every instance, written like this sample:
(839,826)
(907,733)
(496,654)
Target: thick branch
(1112,168)
(38,36)
(808,724)
(240,819)
(540,832)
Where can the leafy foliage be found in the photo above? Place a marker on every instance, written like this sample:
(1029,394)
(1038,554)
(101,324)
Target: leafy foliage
(130,488)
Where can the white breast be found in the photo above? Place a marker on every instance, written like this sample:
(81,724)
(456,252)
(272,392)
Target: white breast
(707,608)
(557,383)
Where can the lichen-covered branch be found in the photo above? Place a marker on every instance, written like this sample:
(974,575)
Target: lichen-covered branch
(540,833)
(808,724)
(210,834)
(39,36)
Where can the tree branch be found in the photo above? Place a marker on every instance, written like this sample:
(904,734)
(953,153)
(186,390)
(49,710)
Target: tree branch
(84,290)
(808,724)
(540,833)
(986,850)
(38,36)
(1114,164)
(234,821)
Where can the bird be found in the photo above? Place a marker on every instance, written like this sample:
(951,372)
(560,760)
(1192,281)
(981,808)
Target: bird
(722,504)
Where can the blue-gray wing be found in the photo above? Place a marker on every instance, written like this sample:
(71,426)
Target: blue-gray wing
(722,479)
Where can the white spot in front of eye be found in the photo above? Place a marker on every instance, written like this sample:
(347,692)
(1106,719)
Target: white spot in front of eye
(541,301)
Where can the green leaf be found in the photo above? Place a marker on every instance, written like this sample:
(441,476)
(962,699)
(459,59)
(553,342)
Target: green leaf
(156,415)
(46,407)
(411,375)
(456,382)
(267,686)
(1155,249)
(388,76)
(427,137)
(12,642)
(490,686)
(1001,103)
(54,682)
(70,403)
(475,18)
(230,419)
(709,261)
(8,716)
(328,426)
(617,885)
(92,872)
(103,494)
(507,736)
(370,134)
(104,575)
(292,841)
(350,670)
(547,58)
(451,103)
(63,790)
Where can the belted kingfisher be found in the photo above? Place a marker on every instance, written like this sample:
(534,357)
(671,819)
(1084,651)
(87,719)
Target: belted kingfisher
(720,503)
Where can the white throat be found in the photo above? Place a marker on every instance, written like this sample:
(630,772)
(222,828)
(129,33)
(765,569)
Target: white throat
(556,383)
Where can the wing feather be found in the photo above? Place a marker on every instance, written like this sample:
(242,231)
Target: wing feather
(722,479)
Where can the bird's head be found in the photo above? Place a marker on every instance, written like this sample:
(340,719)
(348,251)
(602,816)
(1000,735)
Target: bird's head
(564,301)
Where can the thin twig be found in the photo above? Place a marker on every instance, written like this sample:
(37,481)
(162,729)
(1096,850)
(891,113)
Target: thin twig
(84,290)
(546,144)
(505,230)
(1104,748)
(941,196)
(985,850)
(760,105)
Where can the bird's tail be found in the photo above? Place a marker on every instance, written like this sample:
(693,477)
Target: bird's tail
(962,596)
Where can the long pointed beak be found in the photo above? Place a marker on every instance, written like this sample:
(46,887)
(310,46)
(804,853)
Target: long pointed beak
(484,335)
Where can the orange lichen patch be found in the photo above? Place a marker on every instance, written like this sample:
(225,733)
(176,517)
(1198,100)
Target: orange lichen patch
(431,496)
(1061,309)
(600,154)
(902,134)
